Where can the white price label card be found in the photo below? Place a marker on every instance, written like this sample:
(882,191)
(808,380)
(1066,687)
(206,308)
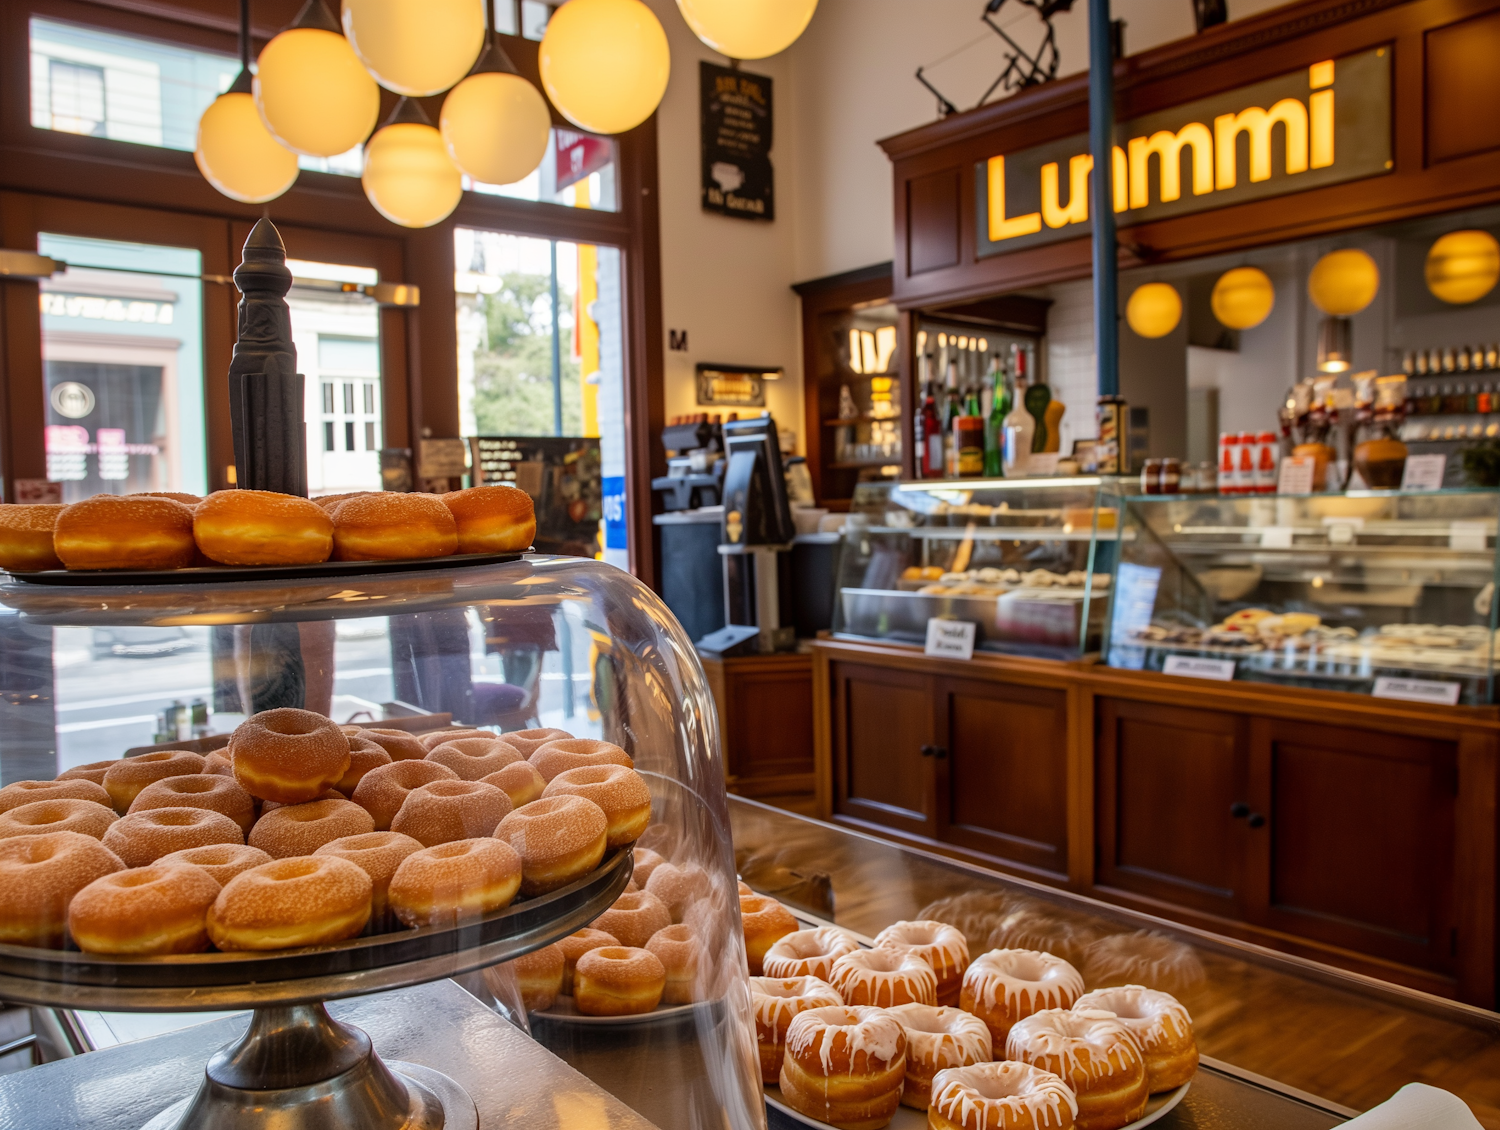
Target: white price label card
(1417,690)
(951,639)
(1467,537)
(1196,668)
(1424,472)
(1276,537)
(1296,475)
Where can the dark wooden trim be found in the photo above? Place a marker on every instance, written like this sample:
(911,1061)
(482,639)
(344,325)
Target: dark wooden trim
(874,273)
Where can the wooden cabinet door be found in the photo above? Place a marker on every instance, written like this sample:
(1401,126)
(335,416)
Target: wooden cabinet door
(1167,779)
(882,721)
(1002,786)
(1358,845)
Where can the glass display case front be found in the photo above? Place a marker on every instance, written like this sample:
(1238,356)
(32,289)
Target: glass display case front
(1028,561)
(111,692)
(1380,592)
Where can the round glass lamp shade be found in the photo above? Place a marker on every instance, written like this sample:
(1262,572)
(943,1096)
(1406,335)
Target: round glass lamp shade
(314,94)
(1242,298)
(1154,309)
(495,126)
(409,176)
(1463,266)
(605,63)
(415,49)
(1343,283)
(238,156)
(747,29)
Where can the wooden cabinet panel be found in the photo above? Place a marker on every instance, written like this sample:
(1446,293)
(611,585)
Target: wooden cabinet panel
(1003,785)
(1463,85)
(883,719)
(1167,779)
(765,705)
(932,221)
(1357,850)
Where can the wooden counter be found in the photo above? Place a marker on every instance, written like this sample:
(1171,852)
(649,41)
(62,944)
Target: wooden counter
(1356,831)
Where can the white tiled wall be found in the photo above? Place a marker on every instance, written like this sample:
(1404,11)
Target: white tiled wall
(1070,358)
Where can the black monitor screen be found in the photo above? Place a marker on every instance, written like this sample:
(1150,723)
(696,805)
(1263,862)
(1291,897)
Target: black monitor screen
(756,511)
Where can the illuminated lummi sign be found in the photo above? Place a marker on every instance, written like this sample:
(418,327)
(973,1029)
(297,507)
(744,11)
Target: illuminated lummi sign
(1323,125)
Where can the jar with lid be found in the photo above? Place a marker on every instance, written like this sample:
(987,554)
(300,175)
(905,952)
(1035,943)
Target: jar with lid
(1171,476)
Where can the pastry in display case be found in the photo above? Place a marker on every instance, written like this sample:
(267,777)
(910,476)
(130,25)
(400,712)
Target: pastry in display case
(1381,592)
(449,771)
(1026,560)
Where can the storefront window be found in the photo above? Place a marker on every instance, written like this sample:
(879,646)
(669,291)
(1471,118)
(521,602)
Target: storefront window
(122,349)
(575,163)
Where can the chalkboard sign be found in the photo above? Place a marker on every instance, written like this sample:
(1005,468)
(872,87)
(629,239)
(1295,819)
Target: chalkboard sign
(735,111)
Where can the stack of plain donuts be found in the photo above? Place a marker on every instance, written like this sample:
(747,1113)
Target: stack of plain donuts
(1010,1039)
(257,527)
(301,833)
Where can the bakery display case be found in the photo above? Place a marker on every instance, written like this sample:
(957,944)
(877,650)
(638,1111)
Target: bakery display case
(1028,561)
(105,687)
(1380,592)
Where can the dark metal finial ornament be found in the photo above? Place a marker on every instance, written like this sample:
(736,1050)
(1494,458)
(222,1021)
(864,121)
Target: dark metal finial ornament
(265,389)
(1022,68)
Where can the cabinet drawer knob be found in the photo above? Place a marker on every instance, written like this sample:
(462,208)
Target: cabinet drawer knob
(926,751)
(936,751)
(1239,810)
(1256,820)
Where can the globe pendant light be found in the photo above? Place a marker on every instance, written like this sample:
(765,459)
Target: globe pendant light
(605,63)
(1154,309)
(747,29)
(234,151)
(1243,298)
(1463,266)
(408,175)
(495,123)
(416,47)
(1343,283)
(312,91)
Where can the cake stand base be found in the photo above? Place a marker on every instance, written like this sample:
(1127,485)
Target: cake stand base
(296,1068)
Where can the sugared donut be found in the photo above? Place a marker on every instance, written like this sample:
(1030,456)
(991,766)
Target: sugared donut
(1147,958)
(144,837)
(1004,986)
(39,875)
(1161,1026)
(528,742)
(310,900)
(219,765)
(496,519)
(17,793)
(444,811)
(680,953)
(222,861)
(26,537)
(261,527)
(431,741)
(939,945)
(454,883)
(301,829)
(679,886)
(1093,1053)
(575,753)
(474,759)
(382,792)
(188,500)
(575,945)
(288,755)
(646,861)
(883,978)
(776,1001)
(538,977)
(634,918)
(112,531)
(94,771)
(327,794)
(1000,1096)
(744,889)
(621,792)
(199,790)
(329,501)
(364,755)
(844,1065)
(807,953)
(559,839)
(618,981)
(41,816)
(128,776)
(398,743)
(377,854)
(938,1038)
(520,781)
(765,921)
(144,911)
(390,525)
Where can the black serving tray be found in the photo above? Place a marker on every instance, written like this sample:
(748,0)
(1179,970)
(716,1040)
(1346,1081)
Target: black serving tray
(239,574)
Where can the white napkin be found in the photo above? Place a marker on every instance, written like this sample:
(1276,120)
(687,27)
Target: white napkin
(1417,1106)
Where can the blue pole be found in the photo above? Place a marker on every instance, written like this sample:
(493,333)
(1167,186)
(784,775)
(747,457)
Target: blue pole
(1102,204)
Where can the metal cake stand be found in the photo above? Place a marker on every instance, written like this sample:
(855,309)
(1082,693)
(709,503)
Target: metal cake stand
(296,1068)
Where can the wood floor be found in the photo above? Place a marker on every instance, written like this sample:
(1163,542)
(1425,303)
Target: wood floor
(1332,1035)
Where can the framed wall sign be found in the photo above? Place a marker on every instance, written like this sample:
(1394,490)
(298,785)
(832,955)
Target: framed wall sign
(734,386)
(735,117)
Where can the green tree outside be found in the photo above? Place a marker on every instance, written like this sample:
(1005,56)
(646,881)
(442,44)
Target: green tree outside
(513,374)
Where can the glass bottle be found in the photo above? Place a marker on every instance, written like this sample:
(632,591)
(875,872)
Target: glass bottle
(929,453)
(1019,430)
(994,431)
